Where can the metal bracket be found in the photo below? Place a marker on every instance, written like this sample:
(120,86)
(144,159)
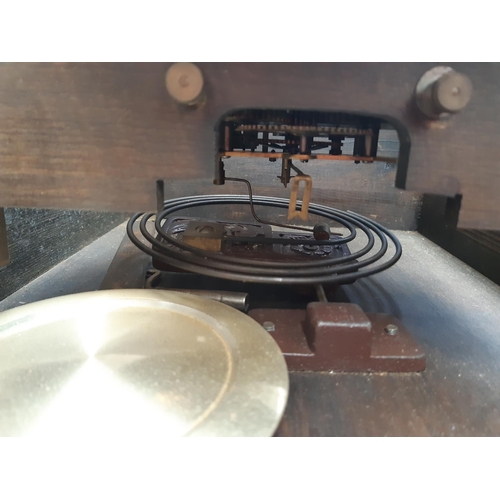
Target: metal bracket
(204,235)
(306,198)
(341,337)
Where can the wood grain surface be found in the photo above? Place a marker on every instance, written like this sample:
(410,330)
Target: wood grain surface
(97,136)
(40,239)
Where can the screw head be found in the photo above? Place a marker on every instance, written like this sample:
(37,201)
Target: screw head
(204,229)
(268,326)
(452,92)
(391,329)
(184,83)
